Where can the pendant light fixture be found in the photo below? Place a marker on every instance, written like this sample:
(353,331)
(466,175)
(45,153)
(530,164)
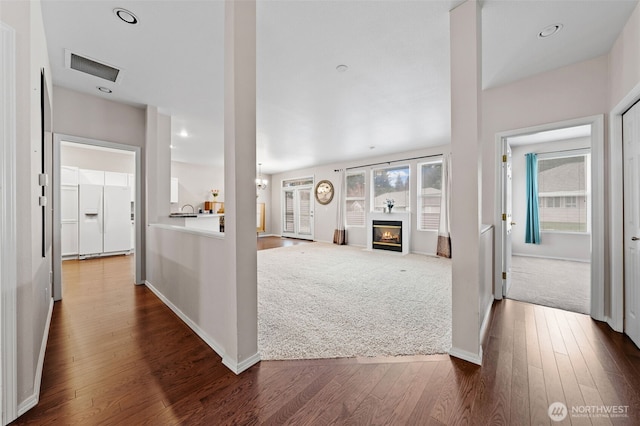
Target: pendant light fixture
(260,182)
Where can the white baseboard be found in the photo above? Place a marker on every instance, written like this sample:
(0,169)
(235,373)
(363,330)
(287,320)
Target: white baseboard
(466,355)
(33,399)
(551,257)
(237,368)
(614,325)
(485,321)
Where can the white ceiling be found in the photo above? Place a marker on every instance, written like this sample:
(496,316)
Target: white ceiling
(394,97)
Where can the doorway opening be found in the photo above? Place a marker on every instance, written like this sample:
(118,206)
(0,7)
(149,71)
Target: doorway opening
(97,187)
(552,216)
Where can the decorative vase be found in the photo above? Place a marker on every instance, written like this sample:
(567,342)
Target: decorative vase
(389,209)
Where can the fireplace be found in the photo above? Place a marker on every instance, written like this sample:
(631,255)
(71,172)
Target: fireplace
(387,235)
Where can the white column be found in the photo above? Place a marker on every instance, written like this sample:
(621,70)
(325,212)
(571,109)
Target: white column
(466,87)
(239,181)
(158,155)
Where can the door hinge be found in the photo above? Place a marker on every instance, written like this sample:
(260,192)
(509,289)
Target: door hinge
(504,158)
(504,216)
(504,275)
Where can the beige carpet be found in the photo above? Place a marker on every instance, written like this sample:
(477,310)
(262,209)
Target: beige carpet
(556,283)
(327,301)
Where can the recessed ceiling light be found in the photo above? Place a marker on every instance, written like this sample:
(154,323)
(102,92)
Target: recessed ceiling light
(550,30)
(171,146)
(342,68)
(104,89)
(126,16)
(184,133)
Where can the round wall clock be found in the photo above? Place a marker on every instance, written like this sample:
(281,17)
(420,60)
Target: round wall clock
(324,192)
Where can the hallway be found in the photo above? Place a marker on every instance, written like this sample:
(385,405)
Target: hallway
(117,355)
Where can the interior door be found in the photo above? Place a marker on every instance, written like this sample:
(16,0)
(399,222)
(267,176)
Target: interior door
(297,220)
(507,217)
(631,150)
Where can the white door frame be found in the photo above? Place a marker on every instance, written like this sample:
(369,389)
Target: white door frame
(507,219)
(57,197)
(615,319)
(8,225)
(283,189)
(598,207)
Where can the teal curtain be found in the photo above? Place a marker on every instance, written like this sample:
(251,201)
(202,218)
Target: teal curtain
(532,230)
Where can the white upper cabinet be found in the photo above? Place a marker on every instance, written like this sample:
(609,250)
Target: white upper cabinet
(131,179)
(68,175)
(174,190)
(116,179)
(90,177)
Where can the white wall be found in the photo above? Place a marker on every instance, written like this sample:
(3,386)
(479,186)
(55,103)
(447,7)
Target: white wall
(558,245)
(33,288)
(92,117)
(195,184)
(574,91)
(466,177)
(624,91)
(624,61)
(188,270)
(92,159)
(325,215)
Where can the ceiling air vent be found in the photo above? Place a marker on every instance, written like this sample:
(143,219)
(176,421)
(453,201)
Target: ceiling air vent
(92,67)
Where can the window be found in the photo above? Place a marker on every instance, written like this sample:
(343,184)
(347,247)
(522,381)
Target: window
(354,200)
(563,191)
(429,192)
(391,183)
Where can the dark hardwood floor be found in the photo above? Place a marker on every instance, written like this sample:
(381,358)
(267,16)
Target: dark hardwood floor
(117,356)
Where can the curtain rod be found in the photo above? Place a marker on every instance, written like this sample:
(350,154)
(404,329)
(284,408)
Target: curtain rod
(389,162)
(562,150)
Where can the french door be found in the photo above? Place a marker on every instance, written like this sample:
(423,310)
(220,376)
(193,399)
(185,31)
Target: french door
(297,209)
(631,150)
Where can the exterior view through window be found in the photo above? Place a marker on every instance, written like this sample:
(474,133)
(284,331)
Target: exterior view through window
(563,193)
(391,183)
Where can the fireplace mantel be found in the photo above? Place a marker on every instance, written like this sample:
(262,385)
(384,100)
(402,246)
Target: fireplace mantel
(404,217)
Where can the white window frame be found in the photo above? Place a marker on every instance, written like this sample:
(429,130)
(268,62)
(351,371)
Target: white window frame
(363,199)
(436,160)
(372,204)
(586,152)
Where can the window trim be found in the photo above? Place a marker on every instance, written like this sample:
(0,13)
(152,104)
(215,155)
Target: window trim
(434,160)
(363,198)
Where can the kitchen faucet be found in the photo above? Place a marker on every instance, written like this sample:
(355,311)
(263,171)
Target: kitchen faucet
(193,210)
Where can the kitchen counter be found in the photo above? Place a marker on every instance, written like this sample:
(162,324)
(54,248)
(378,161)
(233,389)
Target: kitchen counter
(206,221)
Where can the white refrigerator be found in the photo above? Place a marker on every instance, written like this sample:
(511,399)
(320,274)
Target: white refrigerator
(104,219)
